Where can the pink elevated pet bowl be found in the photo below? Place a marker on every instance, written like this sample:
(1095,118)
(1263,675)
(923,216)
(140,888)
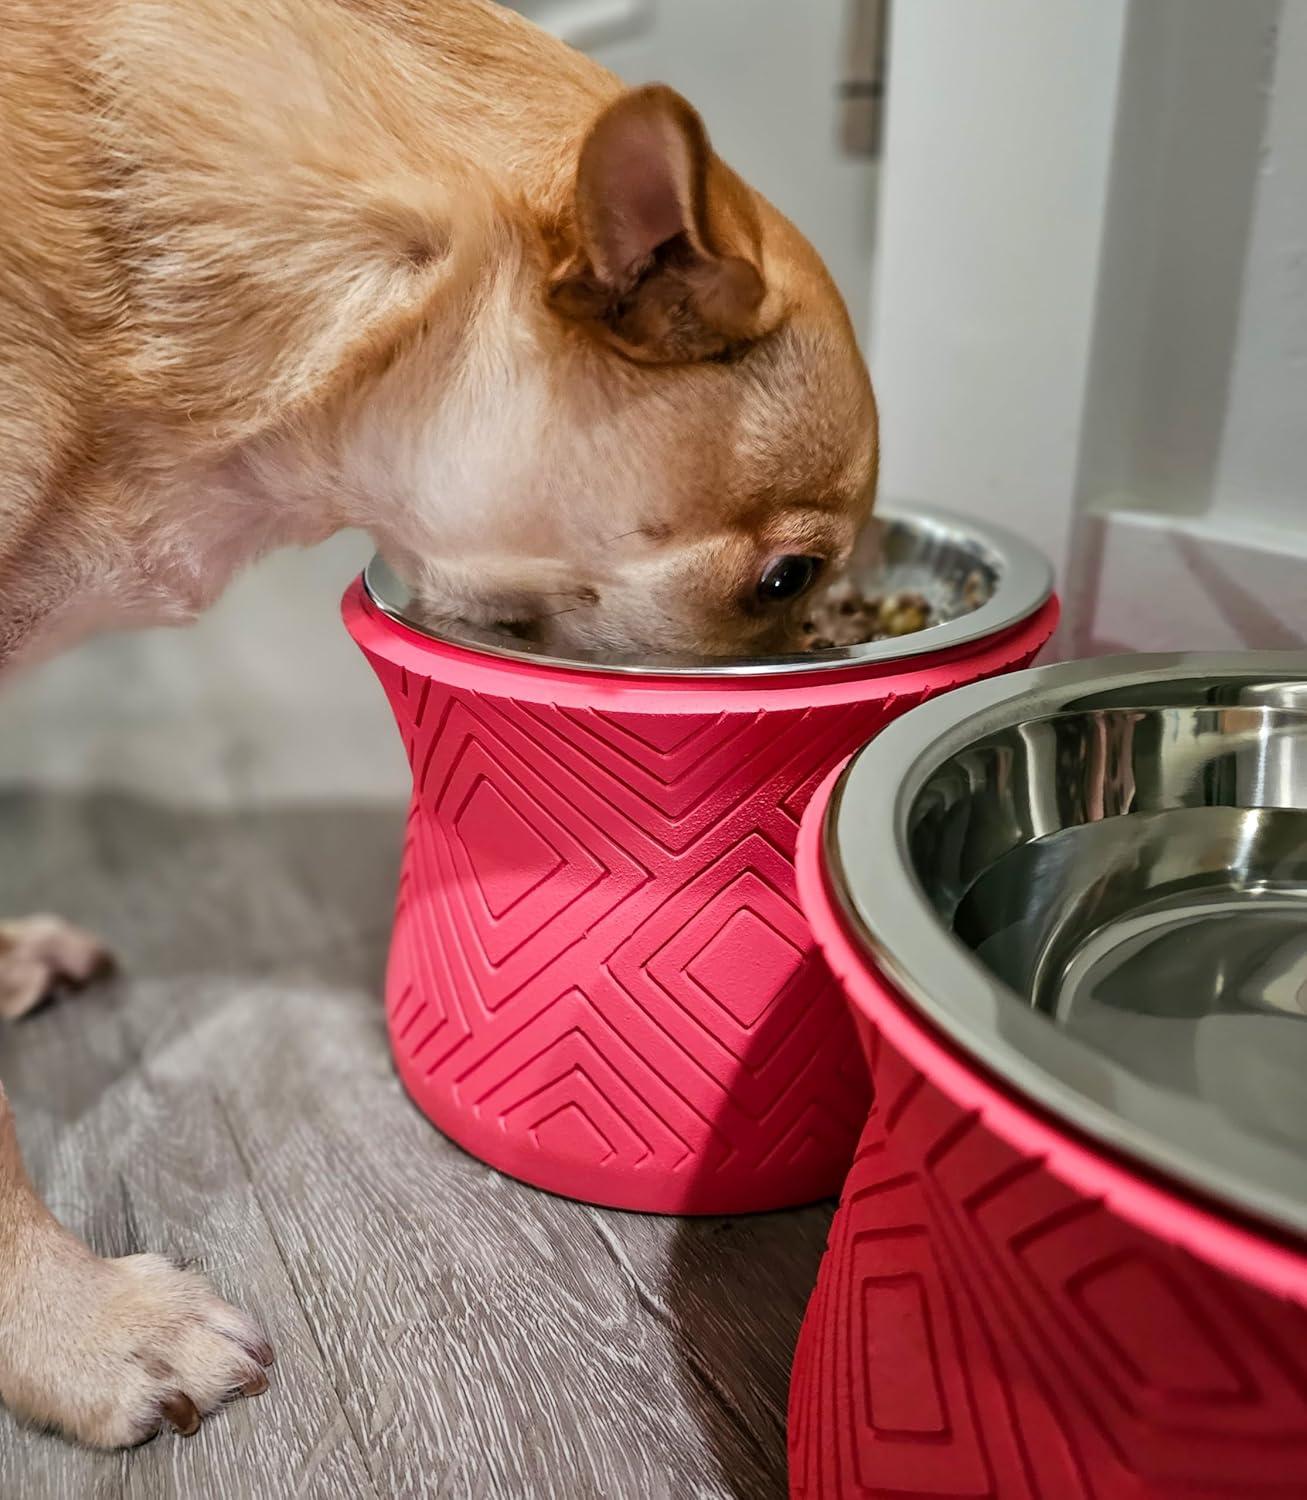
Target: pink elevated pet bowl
(600,980)
(1070,1260)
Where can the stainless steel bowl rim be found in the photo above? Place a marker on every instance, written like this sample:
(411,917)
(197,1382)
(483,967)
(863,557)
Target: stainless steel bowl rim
(1024,585)
(875,885)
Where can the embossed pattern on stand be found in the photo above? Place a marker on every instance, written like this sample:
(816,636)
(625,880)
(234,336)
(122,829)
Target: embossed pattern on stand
(600,979)
(981,1331)
(599,962)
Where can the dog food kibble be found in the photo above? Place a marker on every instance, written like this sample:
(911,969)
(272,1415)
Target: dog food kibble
(901,614)
(851,619)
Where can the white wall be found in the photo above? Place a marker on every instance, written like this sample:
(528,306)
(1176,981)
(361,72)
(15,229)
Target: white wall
(765,75)
(1192,491)
(1191,115)
(1262,473)
(1090,314)
(995,176)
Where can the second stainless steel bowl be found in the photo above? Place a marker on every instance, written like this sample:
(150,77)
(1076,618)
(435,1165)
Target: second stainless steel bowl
(1094,878)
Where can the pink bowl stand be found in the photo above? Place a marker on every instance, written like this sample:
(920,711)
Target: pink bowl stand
(1004,1312)
(600,979)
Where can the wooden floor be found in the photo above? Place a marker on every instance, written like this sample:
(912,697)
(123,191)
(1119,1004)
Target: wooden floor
(225,805)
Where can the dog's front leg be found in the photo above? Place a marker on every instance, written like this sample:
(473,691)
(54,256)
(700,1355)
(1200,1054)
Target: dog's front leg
(108,1351)
(39,953)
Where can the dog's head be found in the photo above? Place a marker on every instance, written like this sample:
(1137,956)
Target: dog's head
(679,441)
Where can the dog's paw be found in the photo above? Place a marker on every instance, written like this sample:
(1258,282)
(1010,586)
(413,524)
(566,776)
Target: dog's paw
(111,1352)
(39,953)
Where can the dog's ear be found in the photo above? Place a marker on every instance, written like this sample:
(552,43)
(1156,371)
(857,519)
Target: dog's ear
(665,264)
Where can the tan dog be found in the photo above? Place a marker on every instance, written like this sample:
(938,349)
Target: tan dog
(269,268)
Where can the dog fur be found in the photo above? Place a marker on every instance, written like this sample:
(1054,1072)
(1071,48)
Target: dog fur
(271,268)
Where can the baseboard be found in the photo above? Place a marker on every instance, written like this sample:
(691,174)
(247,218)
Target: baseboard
(1144,581)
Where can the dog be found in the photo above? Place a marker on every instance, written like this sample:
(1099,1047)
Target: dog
(272,268)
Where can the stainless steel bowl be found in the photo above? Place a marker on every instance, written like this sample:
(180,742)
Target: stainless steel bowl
(949,559)
(1093,878)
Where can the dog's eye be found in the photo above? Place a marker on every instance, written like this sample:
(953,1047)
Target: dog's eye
(785,578)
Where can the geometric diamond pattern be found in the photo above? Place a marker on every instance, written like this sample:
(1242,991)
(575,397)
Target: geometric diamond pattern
(600,979)
(509,858)
(981,1331)
(745,964)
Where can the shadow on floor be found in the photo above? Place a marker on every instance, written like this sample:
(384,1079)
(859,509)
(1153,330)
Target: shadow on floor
(189,899)
(737,1290)
(171,887)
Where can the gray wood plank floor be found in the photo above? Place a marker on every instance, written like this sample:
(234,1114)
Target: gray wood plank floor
(225,805)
